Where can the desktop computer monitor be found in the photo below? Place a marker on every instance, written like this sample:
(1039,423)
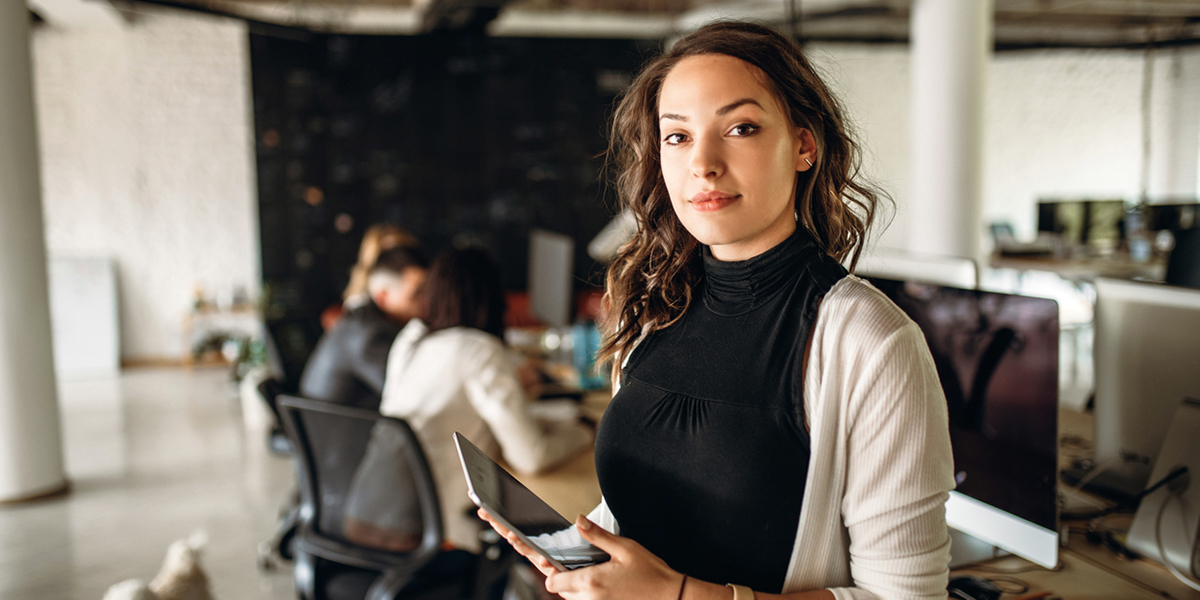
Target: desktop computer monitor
(1172,216)
(997,359)
(1183,264)
(551,286)
(1093,223)
(1147,358)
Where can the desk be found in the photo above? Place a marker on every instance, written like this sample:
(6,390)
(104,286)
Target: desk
(1079,577)
(1086,572)
(572,489)
(1078,269)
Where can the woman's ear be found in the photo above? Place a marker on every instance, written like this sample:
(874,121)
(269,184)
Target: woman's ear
(806,149)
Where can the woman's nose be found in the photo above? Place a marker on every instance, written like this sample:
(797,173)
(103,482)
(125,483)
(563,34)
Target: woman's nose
(706,159)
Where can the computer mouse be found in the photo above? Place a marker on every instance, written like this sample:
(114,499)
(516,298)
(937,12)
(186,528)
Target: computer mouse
(972,588)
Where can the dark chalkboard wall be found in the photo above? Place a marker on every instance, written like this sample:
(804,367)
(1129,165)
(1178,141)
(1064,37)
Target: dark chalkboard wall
(454,137)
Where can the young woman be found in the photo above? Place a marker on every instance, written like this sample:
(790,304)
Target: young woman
(778,426)
(452,372)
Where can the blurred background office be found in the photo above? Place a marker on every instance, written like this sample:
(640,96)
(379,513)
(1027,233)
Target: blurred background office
(185,186)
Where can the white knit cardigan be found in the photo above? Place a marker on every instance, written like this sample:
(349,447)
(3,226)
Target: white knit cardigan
(873,523)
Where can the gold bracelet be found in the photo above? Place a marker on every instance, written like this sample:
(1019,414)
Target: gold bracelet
(741,592)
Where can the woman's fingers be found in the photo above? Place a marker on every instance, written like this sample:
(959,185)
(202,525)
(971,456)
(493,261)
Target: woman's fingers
(600,537)
(567,582)
(533,556)
(500,529)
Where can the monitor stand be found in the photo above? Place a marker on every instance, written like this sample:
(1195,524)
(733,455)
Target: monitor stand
(966,549)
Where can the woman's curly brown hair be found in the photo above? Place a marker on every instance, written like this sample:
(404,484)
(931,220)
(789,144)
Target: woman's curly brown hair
(651,282)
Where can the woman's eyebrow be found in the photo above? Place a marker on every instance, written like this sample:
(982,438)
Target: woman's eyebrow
(736,103)
(720,111)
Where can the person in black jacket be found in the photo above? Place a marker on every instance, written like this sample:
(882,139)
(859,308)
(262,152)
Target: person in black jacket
(348,364)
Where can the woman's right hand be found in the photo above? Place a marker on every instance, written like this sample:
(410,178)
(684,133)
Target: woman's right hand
(522,548)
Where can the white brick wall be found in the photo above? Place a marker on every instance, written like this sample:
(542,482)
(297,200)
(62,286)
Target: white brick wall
(148,158)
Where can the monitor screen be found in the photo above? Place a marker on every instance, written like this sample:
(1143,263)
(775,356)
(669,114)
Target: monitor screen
(551,283)
(1096,223)
(1173,217)
(997,359)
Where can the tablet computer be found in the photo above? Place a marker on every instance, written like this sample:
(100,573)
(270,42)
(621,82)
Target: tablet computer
(522,512)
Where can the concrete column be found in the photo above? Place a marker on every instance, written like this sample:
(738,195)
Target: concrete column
(1175,128)
(31,462)
(950,51)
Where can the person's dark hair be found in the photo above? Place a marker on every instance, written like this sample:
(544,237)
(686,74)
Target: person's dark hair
(649,284)
(395,260)
(464,289)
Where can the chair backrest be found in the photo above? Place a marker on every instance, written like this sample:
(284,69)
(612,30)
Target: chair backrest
(365,486)
(289,342)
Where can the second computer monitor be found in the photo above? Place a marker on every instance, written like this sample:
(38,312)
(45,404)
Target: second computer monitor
(1147,353)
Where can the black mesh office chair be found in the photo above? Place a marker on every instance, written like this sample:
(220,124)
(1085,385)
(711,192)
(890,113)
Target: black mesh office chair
(370,524)
(288,342)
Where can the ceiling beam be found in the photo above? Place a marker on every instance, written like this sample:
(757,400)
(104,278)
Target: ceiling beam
(76,13)
(460,15)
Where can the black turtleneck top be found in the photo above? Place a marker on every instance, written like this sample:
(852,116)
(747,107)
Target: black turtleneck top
(703,453)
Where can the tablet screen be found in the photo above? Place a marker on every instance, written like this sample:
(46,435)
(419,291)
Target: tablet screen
(511,503)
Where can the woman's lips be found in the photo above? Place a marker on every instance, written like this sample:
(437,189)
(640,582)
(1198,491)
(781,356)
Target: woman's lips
(710,201)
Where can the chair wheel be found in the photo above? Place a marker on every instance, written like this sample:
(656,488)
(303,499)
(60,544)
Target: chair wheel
(285,545)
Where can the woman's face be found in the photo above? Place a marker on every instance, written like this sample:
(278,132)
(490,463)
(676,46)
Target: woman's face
(729,155)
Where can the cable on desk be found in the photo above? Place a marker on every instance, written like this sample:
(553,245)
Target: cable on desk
(1175,493)
(1012,585)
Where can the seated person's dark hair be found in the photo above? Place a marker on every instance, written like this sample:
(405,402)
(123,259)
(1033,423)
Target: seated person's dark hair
(349,363)
(396,260)
(464,290)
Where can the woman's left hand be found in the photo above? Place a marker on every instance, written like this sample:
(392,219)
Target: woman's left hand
(633,571)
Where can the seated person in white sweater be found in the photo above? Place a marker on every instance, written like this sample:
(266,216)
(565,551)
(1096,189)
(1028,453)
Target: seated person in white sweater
(452,372)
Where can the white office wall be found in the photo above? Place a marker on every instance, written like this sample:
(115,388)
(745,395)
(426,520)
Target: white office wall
(1059,122)
(148,159)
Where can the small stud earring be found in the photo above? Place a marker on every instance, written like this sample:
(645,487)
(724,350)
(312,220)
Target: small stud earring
(809,163)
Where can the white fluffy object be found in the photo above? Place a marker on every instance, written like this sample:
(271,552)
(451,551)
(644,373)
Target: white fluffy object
(181,576)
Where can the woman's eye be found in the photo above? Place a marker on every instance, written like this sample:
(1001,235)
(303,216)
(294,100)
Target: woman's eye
(674,139)
(744,129)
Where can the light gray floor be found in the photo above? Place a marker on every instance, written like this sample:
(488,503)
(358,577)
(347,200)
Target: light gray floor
(153,456)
